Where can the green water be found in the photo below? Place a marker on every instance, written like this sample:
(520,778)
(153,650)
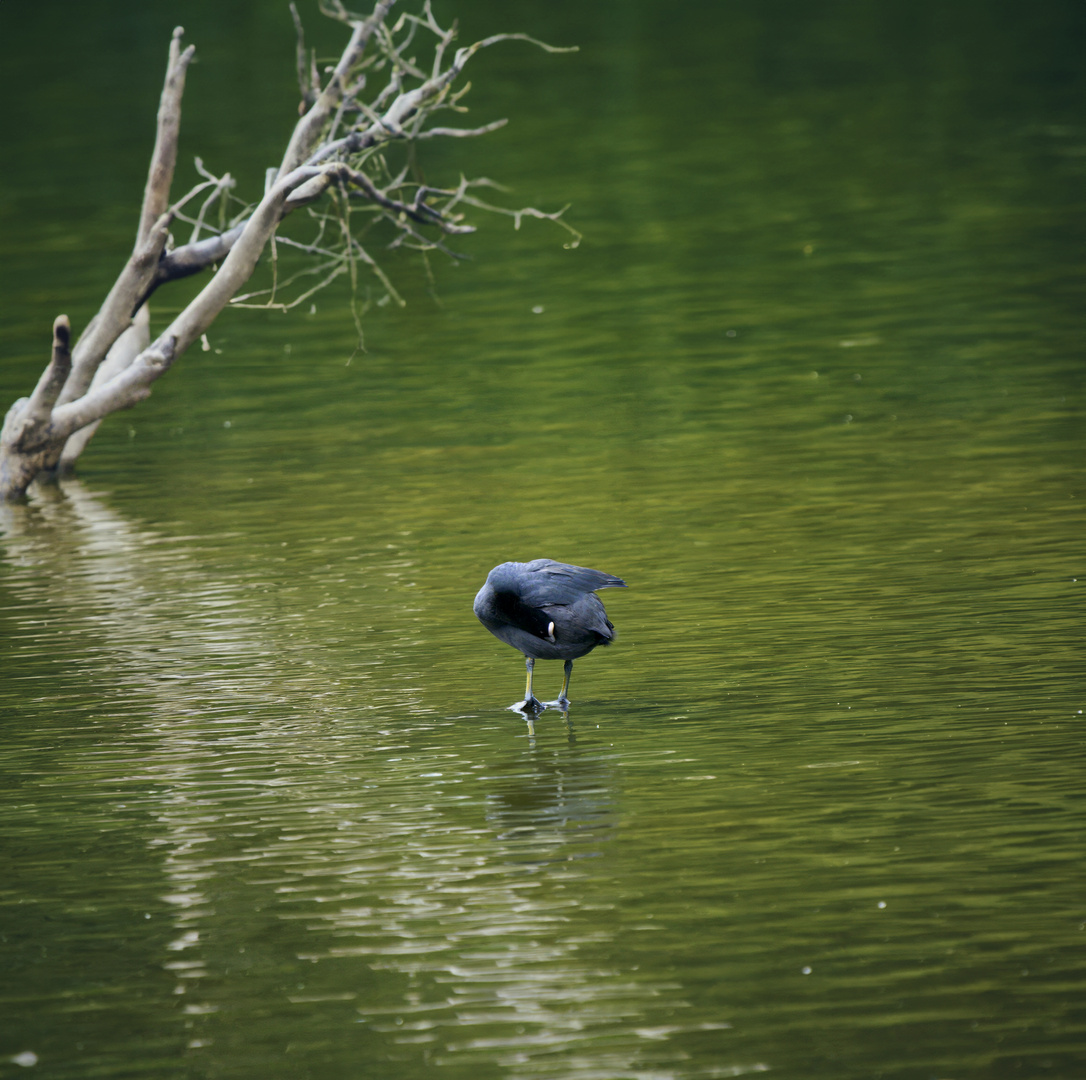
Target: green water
(812,385)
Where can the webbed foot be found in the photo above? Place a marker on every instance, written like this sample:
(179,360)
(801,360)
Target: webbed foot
(528,705)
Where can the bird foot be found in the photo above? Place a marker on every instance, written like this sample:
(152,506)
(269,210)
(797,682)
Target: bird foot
(530,705)
(562,703)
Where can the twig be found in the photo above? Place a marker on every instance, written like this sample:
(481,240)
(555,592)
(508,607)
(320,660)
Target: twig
(308,129)
(420,212)
(460,133)
(305,88)
(239,301)
(529,211)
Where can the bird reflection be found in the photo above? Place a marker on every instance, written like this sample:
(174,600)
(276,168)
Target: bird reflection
(571,734)
(561,800)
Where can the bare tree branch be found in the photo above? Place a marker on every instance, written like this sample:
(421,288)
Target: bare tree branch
(156,195)
(114,316)
(305,85)
(50,384)
(124,390)
(27,433)
(461,133)
(308,130)
(418,211)
(124,351)
(354,153)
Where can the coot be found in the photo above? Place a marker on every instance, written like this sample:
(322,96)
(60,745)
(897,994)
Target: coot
(549,611)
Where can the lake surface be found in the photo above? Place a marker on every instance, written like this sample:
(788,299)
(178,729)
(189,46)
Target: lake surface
(812,384)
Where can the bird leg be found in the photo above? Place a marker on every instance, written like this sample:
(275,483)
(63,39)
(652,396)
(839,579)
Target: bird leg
(563,701)
(530,702)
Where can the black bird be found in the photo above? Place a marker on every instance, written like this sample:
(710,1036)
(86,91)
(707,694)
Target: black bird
(550,611)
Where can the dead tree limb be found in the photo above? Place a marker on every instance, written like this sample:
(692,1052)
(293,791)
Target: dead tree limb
(377,100)
(156,194)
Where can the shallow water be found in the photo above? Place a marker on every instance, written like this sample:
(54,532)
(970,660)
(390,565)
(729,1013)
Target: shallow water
(812,385)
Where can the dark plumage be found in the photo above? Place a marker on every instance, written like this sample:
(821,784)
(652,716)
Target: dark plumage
(549,611)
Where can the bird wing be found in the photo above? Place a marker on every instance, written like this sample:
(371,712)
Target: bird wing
(551,583)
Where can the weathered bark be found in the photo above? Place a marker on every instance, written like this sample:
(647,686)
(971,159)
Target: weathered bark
(114,362)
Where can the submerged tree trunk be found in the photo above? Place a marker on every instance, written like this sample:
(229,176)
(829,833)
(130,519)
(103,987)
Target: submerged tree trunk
(338,161)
